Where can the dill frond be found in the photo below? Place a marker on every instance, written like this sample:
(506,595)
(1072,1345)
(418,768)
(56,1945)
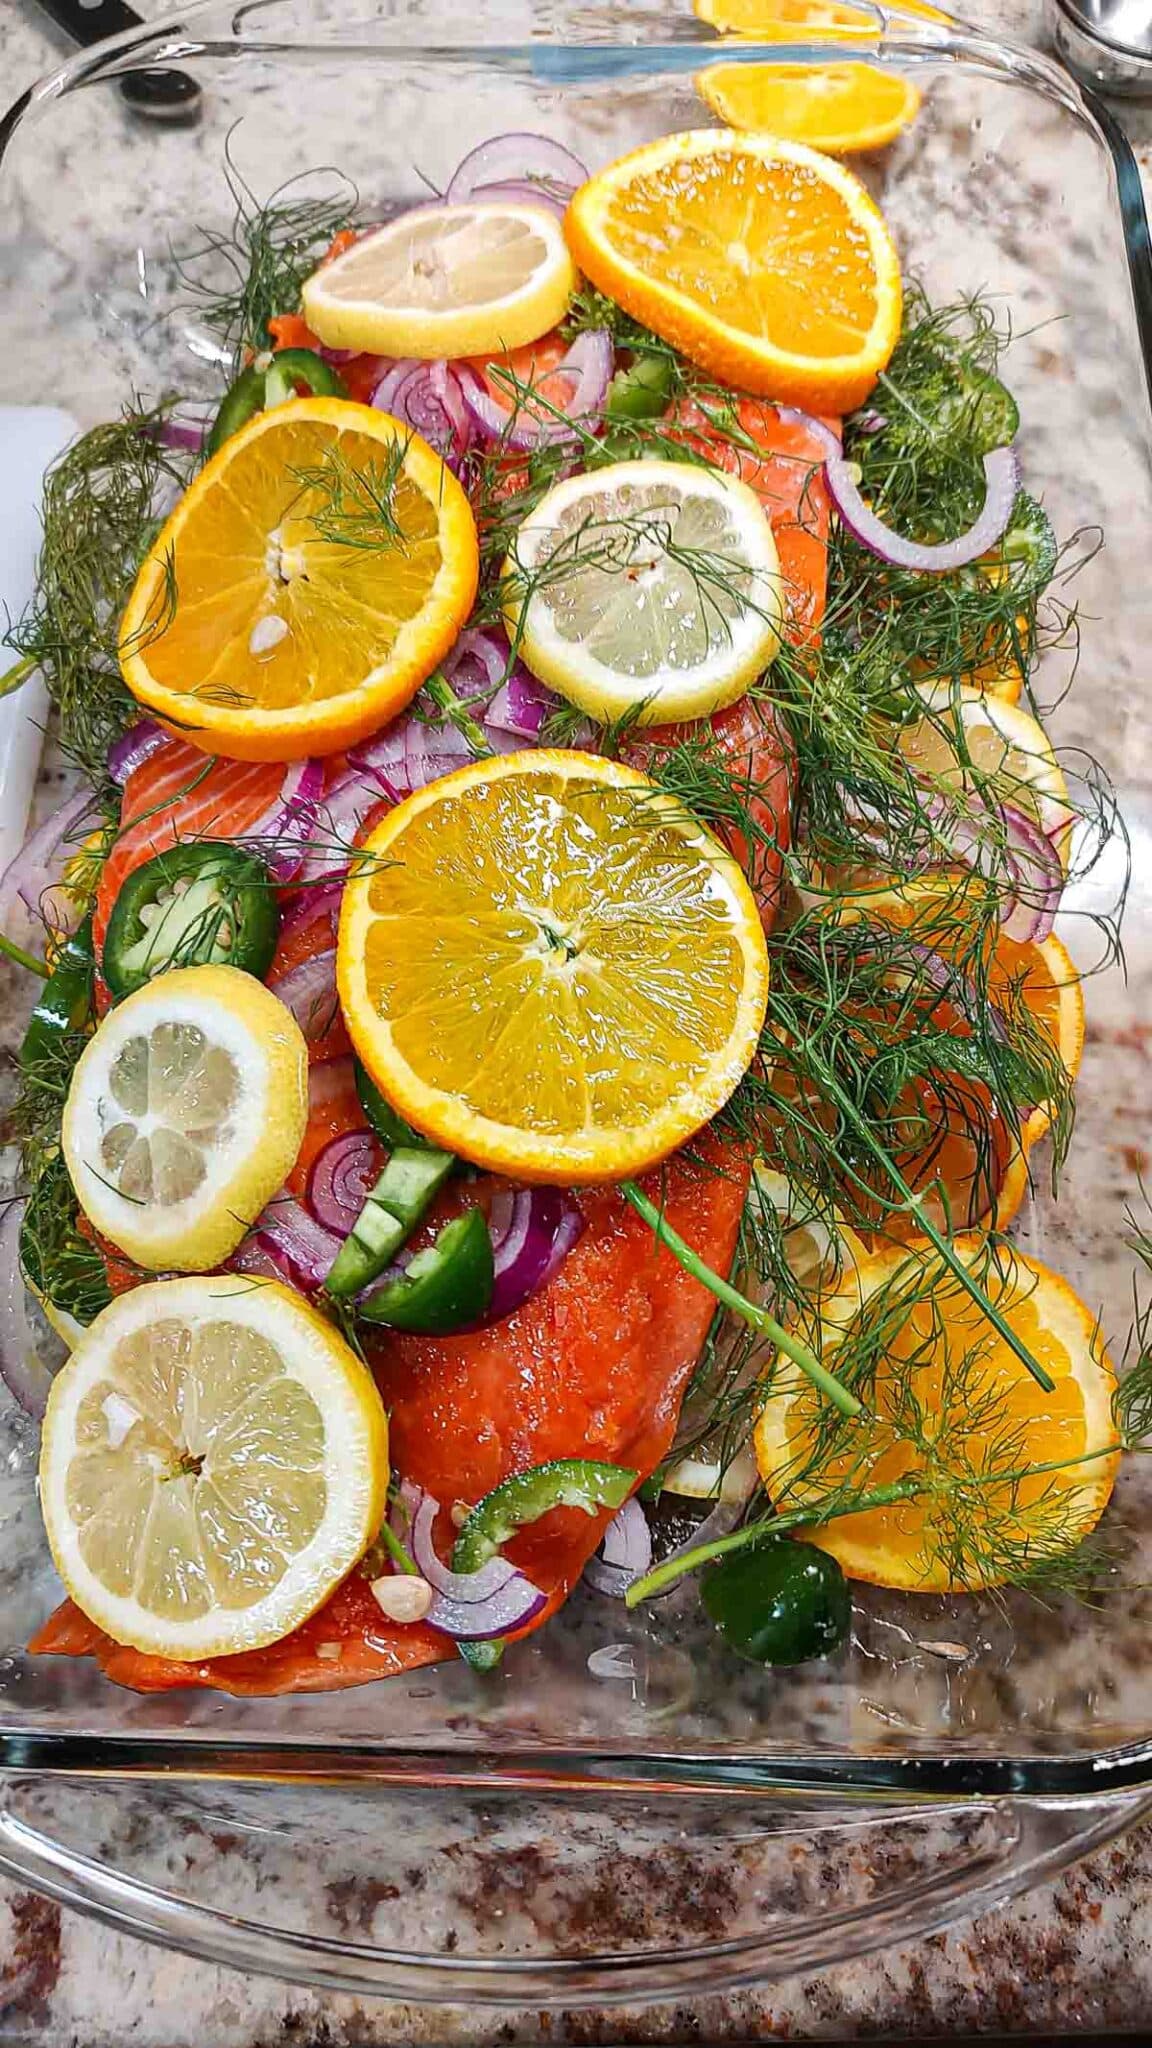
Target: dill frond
(102,509)
(241,277)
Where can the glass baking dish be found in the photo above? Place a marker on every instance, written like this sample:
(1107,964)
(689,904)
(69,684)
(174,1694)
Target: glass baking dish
(1029,1725)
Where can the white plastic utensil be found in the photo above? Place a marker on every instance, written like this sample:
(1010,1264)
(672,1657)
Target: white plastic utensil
(31,437)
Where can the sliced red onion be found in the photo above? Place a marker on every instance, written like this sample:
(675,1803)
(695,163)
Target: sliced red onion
(289,825)
(346,808)
(1039,874)
(309,991)
(337,356)
(23,1370)
(407,755)
(419,1523)
(429,398)
(134,747)
(624,1555)
(433,750)
(819,429)
(342,1178)
(1028,868)
(523,158)
(181,435)
(259,1258)
(522,706)
(1001,485)
(532,1230)
(478,1621)
(305,907)
(719,1521)
(587,367)
(31,897)
(477,665)
(523,193)
(286,1229)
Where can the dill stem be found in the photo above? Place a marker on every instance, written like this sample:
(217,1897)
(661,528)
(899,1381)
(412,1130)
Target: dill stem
(956,1265)
(445,699)
(739,1304)
(17,674)
(396,1550)
(764,1531)
(11,951)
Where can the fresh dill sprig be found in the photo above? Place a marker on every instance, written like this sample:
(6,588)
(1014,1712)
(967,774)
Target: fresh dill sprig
(103,505)
(241,277)
(352,506)
(65,1267)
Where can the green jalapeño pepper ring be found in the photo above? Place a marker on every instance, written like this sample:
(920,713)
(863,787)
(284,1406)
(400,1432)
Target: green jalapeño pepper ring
(205,903)
(271,380)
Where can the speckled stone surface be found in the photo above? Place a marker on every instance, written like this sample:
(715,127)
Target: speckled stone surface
(1073,1956)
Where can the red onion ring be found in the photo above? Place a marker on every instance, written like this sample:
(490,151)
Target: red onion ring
(625,1553)
(31,897)
(342,1178)
(417,1527)
(1035,872)
(133,748)
(532,1230)
(589,365)
(477,1621)
(522,706)
(285,1231)
(289,824)
(477,665)
(523,192)
(305,907)
(429,398)
(471,1606)
(350,803)
(1001,486)
(22,1369)
(1039,873)
(309,991)
(519,156)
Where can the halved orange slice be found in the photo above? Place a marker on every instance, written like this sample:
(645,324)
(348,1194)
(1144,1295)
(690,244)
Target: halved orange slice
(834,107)
(309,579)
(1012,1476)
(765,262)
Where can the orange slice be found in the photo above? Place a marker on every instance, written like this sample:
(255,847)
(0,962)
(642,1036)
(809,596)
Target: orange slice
(835,107)
(1040,978)
(800,21)
(309,579)
(948,1400)
(762,260)
(590,977)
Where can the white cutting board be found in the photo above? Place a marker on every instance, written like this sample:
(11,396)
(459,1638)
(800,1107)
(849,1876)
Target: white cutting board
(31,436)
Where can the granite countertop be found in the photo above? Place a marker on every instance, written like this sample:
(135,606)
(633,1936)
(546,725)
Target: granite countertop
(1074,1956)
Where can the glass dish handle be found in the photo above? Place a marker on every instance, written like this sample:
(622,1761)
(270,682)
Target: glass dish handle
(1023,1842)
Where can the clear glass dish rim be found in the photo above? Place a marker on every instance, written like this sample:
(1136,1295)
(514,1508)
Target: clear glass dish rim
(1123,1769)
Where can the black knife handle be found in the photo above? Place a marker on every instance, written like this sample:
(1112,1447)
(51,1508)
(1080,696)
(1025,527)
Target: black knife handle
(163,95)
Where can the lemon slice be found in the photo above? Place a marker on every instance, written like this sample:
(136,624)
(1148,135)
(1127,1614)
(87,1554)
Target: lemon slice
(214,1461)
(185,1113)
(445,281)
(648,588)
(591,975)
(998,740)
